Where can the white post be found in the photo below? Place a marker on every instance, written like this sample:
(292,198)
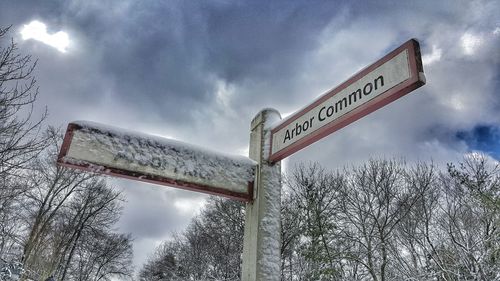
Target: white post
(262,241)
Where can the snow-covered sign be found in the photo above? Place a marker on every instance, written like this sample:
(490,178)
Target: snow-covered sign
(123,153)
(388,79)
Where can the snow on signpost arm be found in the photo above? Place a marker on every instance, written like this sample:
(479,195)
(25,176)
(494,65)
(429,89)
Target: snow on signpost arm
(118,152)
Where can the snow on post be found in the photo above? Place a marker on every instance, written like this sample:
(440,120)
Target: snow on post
(262,244)
(118,152)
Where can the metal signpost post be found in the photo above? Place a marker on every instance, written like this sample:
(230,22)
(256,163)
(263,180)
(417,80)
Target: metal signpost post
(255,180)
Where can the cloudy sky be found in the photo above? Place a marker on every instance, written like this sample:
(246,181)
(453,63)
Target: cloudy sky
(199,71)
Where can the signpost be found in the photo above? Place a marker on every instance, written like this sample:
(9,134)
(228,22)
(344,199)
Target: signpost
(255,180)
(122,153)
(388,79)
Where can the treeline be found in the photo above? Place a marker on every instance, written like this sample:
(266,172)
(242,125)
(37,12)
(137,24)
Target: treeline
(384,220)
(53,221)
(209,249)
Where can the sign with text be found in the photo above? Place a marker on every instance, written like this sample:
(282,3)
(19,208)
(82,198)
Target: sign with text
(123,153)
(388,79)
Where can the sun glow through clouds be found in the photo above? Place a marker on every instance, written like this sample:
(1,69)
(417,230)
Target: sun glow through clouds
(470,43)
(37,30)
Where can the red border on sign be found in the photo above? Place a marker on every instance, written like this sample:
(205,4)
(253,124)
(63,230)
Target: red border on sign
(412,83)
(245,197)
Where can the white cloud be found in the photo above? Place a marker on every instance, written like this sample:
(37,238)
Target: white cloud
(143,249)
(224,92)
(456,102)
(37,30)
(470,43)
(491,163)
(189,205)
(433,57)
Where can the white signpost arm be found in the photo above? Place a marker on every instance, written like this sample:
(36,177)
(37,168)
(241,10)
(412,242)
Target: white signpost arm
(122,153)
(262,241)
(393,76)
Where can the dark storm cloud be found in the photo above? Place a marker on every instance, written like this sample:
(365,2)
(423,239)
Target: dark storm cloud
(168,57)
(15,12)
(263,40)
(168,60)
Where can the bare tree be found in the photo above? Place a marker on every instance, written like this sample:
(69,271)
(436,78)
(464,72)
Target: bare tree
(164,264)
(375,201)
(291,231)
(51,186)
(209,249)
(222,229)
(50,217)
(92,210)
(101,256)
(20,139)
(414,247)
(379,221)
(71,214)
(471,220)
(315,192)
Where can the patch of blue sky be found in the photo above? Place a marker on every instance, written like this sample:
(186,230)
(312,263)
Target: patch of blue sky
(484,138)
